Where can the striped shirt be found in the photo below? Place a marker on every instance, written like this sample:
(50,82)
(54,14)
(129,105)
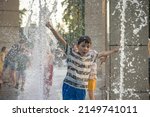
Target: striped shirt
(78,68)
(13,52)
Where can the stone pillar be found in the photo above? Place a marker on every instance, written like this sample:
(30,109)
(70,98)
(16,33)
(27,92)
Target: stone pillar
(95,27)
(135,81)
(9,22)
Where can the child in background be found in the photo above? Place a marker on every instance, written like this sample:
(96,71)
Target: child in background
(93,75)
(10,60)
(49,69)
(51,60)
(48,74)
(92,81)
(22,63)
(2,58)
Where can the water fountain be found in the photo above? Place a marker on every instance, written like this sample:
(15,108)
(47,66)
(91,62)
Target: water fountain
(132,18)
(127,81)
(36,87)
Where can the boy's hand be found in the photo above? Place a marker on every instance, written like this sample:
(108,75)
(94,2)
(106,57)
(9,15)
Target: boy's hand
(103,59)
(115,50)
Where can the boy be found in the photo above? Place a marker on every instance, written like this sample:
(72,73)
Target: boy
(10,60)
(22,63)
(78,66)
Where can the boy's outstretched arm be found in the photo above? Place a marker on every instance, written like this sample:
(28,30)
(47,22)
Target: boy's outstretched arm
(56,34)
(107,53)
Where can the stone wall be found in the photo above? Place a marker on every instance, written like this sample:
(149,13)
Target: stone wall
(9,22)
(135,81)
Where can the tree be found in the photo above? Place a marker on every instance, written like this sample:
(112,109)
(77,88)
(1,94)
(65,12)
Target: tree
(74,19)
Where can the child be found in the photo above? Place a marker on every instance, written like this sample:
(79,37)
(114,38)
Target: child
(49,69)
(92,79)
(48,72)
(2,58)
(22,63)
(93,75)
(10,60)
(78,66)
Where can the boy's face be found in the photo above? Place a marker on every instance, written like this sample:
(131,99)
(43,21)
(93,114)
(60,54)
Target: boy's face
(83,48)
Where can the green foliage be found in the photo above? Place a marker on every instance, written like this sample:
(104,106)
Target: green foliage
(74,18)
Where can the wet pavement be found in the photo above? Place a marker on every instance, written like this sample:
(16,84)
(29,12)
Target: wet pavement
(8,92)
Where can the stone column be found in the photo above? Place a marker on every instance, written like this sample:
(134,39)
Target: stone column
(135,75)
(9,22)
(95,27)
(135,82)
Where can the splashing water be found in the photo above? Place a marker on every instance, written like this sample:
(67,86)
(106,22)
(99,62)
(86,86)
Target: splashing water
(122,55)
(138,24)
(35,87)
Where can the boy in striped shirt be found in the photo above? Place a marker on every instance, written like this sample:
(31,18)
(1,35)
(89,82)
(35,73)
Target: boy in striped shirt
(78,66)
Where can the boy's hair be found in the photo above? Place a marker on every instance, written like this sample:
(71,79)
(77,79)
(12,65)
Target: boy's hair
(85,39)
(3,49)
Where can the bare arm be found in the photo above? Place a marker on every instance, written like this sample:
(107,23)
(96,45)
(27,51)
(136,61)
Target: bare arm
(107,53)
(56,34)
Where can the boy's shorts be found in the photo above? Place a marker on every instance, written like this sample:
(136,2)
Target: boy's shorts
(72,93)
(92,84)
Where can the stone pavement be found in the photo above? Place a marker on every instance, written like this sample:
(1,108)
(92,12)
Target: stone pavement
(8,92)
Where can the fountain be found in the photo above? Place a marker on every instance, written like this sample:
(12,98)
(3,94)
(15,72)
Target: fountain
(126,82)
(132,18)
(36,86)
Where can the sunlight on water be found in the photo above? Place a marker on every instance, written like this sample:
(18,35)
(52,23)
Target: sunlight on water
(38,34)
(35,87)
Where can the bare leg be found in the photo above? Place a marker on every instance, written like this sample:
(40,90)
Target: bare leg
(2,74)
(17,80)
(13,76)
(22,84)
(91,94)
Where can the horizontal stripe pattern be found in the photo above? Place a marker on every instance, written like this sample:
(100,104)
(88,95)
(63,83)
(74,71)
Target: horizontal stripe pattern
(78,68)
